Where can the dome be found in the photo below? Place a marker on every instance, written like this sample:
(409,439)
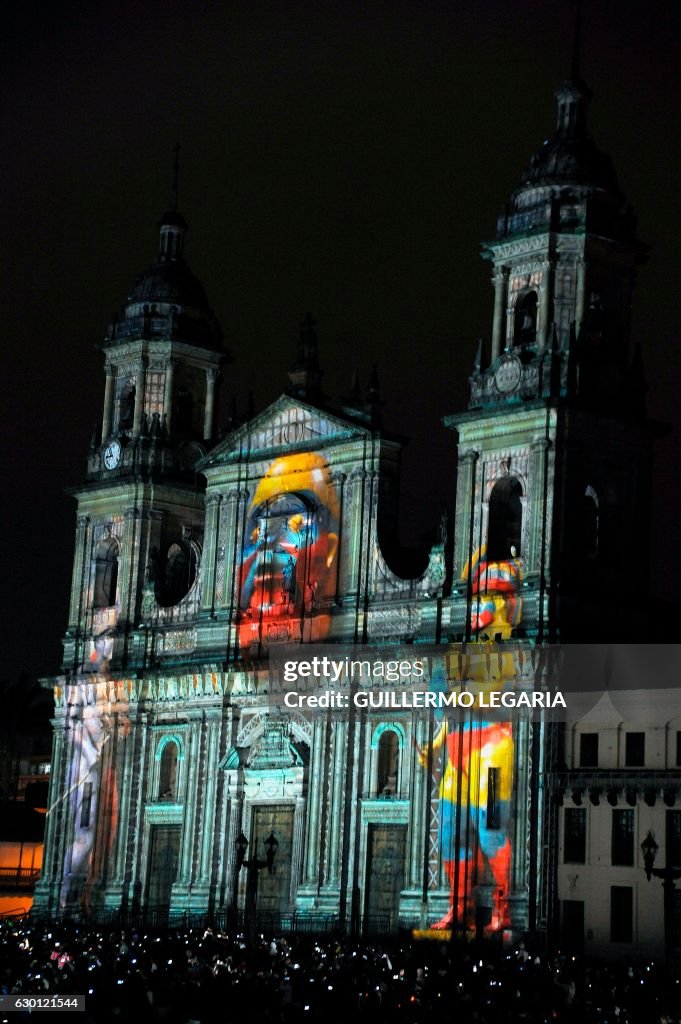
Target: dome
(569,184)
(566,161)
(571,157)
(169,282)
(167,301)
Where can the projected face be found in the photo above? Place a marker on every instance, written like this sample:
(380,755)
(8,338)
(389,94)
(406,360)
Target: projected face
(288,564)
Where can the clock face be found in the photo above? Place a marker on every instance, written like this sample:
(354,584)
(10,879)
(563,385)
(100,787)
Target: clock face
(112,455)
(508,374)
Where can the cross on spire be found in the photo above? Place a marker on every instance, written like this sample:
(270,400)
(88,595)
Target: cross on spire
(305,375)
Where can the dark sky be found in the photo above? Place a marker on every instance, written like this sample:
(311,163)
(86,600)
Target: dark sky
(343,158)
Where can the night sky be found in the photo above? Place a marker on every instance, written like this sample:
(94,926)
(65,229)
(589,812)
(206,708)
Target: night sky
(342,158)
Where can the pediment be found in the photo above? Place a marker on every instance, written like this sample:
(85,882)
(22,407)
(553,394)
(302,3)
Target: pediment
(289,425)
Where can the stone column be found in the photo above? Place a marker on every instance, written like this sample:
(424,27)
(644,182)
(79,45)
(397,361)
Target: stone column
(108,401)
(353,553)
(140,381)
(465,500)
(230,880)
(580,301)
(297,846)
(129,564)
(419,812)
(209,798)
(314,803)
(536,525)
(500,281)
(189,799)
(80,564)
(127,742)
(137,832)
(209,414)
(545,297)
(231,538)
(168,392)
(47,889)
(340,753)
(210,551)
(338,480)
(517,898)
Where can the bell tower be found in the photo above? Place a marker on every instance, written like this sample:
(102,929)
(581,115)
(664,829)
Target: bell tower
(554,449)
(140,511)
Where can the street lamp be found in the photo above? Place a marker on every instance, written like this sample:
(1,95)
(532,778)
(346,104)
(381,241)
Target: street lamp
(669,876)
(649,848)
(271,845)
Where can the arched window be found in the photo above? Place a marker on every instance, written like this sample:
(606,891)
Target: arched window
(388,764)
(525,320)
(106,573)
(127,408)
(590,524)
(167,785)
(505,520)
(178,575)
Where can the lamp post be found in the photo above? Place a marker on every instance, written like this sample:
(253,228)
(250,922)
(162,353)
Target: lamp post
(669,876)
(253,866)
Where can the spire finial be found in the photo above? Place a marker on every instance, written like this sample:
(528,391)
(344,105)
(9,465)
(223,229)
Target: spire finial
(305,375)
(176,177)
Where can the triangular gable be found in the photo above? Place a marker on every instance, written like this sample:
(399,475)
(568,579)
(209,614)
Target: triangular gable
(288,424)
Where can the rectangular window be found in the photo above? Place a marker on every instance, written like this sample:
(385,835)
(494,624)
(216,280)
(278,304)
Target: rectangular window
(574,835)
(621,913)
(588,750)
(154,387)
(493,797)
(673,839)
(635,750)
(623,838)
(86,805)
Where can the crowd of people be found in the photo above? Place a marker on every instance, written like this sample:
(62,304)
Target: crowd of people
(204,975)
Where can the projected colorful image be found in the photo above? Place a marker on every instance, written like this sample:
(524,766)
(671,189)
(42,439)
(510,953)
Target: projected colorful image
(476,756)
(92,798)
(288,566)
(497,607)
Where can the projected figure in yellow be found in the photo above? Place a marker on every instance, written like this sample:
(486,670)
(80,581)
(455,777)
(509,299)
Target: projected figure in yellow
(287,573)
(475,801)
(477,780)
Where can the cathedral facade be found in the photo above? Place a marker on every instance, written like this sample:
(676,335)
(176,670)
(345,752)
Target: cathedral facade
(178,755)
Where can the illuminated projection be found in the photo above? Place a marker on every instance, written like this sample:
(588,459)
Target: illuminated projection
(288,565)
(497,606)
(90,804)
(475,756)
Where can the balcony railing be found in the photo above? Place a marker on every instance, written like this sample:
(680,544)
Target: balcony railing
(593,783)
(18,878)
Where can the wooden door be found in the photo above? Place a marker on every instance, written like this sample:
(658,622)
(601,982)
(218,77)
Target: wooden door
(273,890)
(164,856)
